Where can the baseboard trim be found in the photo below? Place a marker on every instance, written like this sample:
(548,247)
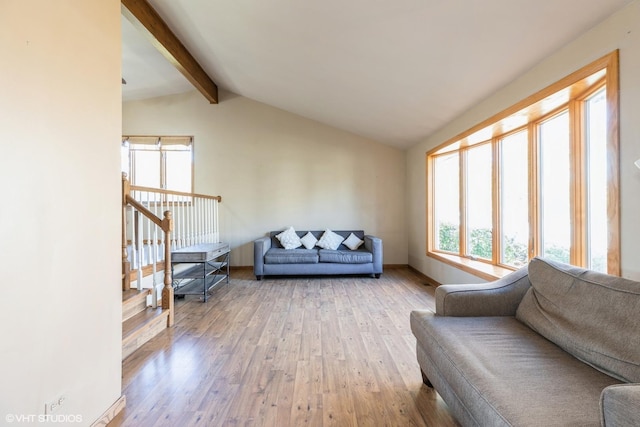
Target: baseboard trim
(111,413)
(394,266)
(428,280)
(250,267)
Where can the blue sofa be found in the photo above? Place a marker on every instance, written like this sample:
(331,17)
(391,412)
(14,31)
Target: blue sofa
(271,259)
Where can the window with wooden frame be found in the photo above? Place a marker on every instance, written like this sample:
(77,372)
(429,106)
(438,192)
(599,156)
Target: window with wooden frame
(538,179)
(164,162)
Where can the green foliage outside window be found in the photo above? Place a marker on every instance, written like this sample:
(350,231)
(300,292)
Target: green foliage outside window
(449,237)
(481,243)
(515,253)
(557,253)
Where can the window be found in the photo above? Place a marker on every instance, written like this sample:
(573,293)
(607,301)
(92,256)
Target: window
(447,202)
(596,144)
(555,187)
(514,189)
(159,161)
(538,179)
(478,206)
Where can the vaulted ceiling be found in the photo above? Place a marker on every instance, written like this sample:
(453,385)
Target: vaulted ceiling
(392,71)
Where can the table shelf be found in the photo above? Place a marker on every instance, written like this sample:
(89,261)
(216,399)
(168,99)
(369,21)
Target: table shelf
(210,266)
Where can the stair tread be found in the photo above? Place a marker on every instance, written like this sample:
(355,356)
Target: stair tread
(138,322)
(134,294)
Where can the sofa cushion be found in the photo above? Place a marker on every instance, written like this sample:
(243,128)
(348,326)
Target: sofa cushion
(505,373)
(593,316)
(291,256)
(345,257)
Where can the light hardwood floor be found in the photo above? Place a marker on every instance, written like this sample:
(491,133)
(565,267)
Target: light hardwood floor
(287,352)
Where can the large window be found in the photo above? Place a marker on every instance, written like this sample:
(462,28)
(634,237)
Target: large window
(539,179)
(555,187)
(447,203)
(159,161)
(513,186)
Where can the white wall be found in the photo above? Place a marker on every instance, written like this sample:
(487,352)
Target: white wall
(60,120)
(274,169)
(620,31)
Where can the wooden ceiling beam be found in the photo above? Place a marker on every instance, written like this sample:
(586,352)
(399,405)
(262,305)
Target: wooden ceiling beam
(144,17)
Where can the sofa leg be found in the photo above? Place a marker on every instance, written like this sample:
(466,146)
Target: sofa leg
(425,380)
(258,277)
(377,275)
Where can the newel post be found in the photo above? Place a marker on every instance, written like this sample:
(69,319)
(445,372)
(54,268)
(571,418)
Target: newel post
(167,290)
(126,265)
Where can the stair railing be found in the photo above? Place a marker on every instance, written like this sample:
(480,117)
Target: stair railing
(147,240)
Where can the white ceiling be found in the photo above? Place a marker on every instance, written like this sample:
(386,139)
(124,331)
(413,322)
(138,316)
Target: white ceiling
(390,70)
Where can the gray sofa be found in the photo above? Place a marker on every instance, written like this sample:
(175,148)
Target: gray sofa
(271,259)
(548,345)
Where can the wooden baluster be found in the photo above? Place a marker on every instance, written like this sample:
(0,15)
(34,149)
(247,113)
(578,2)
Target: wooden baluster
(176,215)
(161,204)
(167,290)
(146,235)
(126,264)
(176,223)
(192,221)
(212,220)
(200,225)
(138,236)
(151,249)
(183,222)
(205,220)
(198,220)
(212,237)
(189,213)
(217,225)
(210,224)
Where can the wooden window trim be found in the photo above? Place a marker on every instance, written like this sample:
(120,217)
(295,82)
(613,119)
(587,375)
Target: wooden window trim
(492,270)
(167,140)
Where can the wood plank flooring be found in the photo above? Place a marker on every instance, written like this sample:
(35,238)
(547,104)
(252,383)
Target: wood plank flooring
(287,352)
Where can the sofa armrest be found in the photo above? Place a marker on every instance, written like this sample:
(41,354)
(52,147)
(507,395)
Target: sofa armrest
(498,298)
(260,247)
(374,245)
(620,405)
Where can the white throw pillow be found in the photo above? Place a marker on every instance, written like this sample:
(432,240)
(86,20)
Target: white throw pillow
(353,242)
(289,239)
(330,240)
(309,240)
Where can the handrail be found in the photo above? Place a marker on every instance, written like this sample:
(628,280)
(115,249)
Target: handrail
(146,212)
(189,219)
(195,215)
(166,224)
(175,193)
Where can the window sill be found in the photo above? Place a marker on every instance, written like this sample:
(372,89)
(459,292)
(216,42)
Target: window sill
(477,268)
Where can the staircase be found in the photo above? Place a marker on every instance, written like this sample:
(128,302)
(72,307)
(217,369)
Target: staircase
(147,242)
(140,323)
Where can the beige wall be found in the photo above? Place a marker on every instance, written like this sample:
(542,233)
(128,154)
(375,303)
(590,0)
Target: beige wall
(274,169)
(60,113)
(620,31)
